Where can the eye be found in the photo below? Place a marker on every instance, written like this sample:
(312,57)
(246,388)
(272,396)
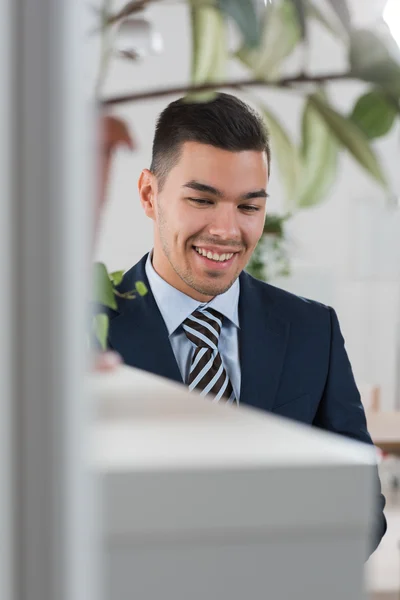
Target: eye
(249,208)
(201,201)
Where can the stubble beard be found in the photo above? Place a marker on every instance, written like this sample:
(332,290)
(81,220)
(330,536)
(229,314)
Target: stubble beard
(210,288)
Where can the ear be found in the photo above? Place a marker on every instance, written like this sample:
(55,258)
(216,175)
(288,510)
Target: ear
(147,186)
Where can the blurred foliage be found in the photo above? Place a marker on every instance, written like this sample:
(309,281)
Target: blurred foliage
(270,259)
(269,35)
(105,296)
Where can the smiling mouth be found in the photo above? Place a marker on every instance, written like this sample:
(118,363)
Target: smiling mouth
(218,258)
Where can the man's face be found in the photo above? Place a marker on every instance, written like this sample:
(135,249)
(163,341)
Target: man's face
(208,217)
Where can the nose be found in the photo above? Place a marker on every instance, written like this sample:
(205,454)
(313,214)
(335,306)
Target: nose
(225,223)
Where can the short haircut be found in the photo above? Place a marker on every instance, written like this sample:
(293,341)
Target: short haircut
(224,122)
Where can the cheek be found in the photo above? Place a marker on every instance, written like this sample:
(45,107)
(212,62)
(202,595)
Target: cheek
(188,223)
(252,230)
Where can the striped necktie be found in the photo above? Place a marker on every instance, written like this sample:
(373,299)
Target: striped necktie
(207,373)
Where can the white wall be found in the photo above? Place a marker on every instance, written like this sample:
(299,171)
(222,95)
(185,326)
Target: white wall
(334,244)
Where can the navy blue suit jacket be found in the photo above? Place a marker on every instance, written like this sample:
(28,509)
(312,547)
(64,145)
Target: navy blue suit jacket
(292,355)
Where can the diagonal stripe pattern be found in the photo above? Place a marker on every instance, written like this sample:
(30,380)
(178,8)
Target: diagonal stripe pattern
(207,373)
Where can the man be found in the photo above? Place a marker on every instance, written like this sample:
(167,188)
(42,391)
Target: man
(207,323)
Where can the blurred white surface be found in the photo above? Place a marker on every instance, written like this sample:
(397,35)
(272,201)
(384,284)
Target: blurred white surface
(202,500)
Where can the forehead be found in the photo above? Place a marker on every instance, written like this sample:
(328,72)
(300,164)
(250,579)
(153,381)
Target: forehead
(225,170)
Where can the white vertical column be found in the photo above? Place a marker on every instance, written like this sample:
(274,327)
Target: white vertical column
(51,127)
(6,337)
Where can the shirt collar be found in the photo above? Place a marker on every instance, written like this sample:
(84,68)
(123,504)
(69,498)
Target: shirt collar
(175,306)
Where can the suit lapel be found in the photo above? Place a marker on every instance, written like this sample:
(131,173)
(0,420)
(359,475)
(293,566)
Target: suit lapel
(139,333)
(263,339)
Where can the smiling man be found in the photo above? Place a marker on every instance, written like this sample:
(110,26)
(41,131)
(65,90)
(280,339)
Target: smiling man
(207,323)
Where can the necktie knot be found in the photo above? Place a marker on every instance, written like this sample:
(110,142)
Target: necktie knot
(203,328)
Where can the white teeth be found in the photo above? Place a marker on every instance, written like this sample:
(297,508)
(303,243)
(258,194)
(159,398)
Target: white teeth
(215,256)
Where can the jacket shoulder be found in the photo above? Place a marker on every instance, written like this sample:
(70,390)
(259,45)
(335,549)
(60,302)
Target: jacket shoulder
(287,303)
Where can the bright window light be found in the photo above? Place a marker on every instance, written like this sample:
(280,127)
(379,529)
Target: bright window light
(391,16)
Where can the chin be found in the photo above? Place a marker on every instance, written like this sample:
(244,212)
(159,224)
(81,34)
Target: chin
(215,287)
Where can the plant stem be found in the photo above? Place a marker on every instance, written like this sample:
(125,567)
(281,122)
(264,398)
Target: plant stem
(131,8)
(287,82)
(129,295)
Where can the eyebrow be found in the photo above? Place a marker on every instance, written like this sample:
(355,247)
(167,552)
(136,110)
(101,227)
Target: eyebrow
(209,189)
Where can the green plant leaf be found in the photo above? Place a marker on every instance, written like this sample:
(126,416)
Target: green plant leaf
(371,60)
(274,224)
(300,8)
(256,266)
(314,12)
(280,36)
(103,289)
(350,136)
(342,10)
(117,277)
(141,288)
(285,154)
(319,152)
(374,114)
(209,49)
(243,12)
(101,324)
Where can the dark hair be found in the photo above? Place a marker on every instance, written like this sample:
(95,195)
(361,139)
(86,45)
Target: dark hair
(225,122)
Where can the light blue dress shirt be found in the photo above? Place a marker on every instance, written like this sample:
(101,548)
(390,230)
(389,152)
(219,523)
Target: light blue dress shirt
(175,307)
